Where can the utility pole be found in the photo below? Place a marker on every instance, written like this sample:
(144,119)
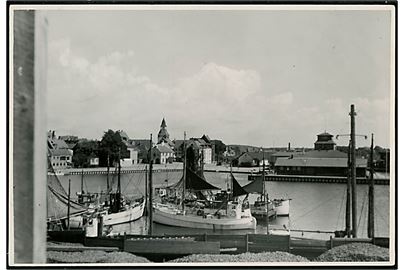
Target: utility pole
(150,188)
(370,229)
(353,169)
(348,195)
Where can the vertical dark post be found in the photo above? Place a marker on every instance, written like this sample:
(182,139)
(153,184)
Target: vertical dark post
(150,189)
(247,243)
(266,197)
(353,170)
(68,210)
(108,172)
(119,179)
(184,172)
(348,195)
(81,183)
(370,230)
(146,189)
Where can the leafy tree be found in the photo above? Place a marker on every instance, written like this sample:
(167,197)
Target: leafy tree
(220,148)
(83,151)
(111,146)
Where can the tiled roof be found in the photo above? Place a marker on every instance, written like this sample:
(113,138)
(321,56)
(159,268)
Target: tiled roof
(259,155)
(319,162)
(61,152)
(325,154)
(58,144)
(287,154)
(163,149)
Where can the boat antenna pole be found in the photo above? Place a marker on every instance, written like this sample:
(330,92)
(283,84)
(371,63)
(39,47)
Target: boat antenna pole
(265,196)
(68,210)
(184,172)
(371,192)
(150,188)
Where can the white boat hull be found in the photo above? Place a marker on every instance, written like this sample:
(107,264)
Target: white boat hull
(282,207)
(172,217)
(261,213)
(131,214)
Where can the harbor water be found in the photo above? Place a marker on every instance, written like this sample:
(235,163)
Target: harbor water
(313,206)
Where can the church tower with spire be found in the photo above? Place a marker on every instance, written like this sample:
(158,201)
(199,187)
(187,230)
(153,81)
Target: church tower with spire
(163,135)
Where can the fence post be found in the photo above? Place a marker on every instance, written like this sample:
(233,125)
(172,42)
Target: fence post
(247,242)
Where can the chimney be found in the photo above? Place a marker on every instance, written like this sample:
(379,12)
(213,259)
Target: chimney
(289,147)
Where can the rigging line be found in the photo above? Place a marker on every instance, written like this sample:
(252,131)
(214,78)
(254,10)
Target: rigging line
(316,207)
(362,208)
(381,216)
(340,211)
(129,181)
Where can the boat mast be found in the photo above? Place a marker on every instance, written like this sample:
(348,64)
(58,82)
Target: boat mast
(150,188)
(68,210)
(353,170)
(108,171)
(184,172)
(81,183)
(146,185)
(371,192)
(265,196)
(231,184)
(119,174)
(348,191)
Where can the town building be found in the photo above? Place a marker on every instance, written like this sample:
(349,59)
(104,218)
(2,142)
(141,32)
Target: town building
(324,160)
(142,147)
(59,154)
(253,159)
(162,154)
(318,166)
(205,148)
(94,161)
(163,135)
(325,142)
(132,159)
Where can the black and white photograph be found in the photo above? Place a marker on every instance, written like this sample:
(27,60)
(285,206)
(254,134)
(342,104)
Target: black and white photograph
(256,135)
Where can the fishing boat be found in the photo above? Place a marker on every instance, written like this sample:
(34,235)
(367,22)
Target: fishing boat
(195,210)
(67,220)
(120,210)
(264,206)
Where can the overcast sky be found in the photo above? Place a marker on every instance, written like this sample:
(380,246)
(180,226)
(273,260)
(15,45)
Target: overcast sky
(262,78)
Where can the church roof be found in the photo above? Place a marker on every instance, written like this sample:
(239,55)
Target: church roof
(163,124)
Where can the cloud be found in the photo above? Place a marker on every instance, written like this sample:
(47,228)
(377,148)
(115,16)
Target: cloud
(88,96)
(111,88)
